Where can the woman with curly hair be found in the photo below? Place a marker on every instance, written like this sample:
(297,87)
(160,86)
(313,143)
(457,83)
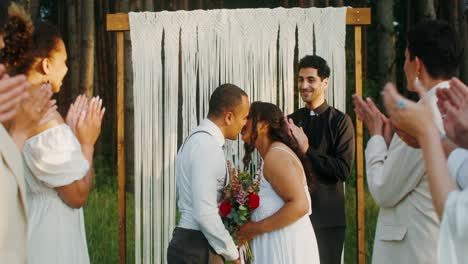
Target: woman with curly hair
(15,102)
(281,229)
(58,154)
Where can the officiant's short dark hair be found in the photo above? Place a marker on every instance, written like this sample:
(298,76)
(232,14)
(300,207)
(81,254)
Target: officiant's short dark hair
(225,98)
(316,62)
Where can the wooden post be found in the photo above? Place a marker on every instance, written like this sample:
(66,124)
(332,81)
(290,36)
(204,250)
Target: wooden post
(359,150)
(121,147)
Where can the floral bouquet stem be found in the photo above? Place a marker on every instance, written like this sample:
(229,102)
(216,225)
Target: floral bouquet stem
(249,256)
(245,253)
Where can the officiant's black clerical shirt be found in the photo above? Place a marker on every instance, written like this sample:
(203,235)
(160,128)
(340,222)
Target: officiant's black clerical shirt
(331,153)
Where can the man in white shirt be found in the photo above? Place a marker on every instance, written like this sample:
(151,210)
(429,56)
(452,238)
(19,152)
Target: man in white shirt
(201,176)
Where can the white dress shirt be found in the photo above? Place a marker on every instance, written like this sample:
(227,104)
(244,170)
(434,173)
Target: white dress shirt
(453,243)
(458,166)
(201,176)
(407,226)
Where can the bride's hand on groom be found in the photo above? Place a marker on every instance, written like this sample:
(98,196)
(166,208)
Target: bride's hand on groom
(248,231)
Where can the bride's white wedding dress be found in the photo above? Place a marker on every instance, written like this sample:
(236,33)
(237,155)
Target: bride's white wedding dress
(293,244)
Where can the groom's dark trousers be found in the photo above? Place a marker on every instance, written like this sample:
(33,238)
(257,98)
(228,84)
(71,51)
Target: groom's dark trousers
(191,247)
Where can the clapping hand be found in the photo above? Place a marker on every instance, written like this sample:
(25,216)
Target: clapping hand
(32,109)
(298,134)
(413,119)
(453,105)
(79,106)
(88,126)
(12,92)
(374,120)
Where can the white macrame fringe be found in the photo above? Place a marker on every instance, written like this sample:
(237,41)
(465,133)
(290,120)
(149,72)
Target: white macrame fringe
(251,48)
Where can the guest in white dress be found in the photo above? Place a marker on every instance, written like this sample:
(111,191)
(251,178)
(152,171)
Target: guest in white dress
(450,201)
(58,155)
(280,230)
(13,208)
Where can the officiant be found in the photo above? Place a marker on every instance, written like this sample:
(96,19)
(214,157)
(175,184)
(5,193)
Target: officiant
(326,135)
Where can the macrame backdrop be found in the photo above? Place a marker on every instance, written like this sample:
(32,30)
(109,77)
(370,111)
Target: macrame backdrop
(197,51)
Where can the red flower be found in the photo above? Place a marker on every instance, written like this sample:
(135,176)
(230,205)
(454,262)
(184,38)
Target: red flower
(225,208)
(254,201)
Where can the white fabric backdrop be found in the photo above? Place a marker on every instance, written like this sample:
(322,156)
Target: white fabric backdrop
(252,48)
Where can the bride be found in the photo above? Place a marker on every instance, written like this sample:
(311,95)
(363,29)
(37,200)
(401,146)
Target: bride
(281,231)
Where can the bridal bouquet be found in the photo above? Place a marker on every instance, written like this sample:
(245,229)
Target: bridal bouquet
(239,201)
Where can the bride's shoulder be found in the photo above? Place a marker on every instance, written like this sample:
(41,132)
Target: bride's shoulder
(278,153)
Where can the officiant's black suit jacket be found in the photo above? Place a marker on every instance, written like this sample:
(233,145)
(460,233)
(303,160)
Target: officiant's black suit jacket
(331,152)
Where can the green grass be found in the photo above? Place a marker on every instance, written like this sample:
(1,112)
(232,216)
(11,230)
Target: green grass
(102,225)
(371,212)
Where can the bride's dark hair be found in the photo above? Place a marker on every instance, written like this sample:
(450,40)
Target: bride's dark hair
(274,117)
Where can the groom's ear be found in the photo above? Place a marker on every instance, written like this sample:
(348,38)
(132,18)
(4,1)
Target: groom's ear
(228,117)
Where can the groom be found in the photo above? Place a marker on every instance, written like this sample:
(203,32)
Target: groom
(201,172)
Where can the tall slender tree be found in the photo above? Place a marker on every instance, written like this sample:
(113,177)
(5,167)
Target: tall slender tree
(87,48)
(385,37)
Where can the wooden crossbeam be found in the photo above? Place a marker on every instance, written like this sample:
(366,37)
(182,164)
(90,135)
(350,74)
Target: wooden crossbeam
(354,16)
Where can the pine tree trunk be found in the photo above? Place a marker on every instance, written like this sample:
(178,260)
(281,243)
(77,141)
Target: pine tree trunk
(420,10)
(306,3)
(463,22)
(87,48)
(453,11)
(34,9)
(338,3)
(70,87)
(385,36)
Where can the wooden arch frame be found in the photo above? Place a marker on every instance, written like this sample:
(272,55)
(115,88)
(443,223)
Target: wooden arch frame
(119,23)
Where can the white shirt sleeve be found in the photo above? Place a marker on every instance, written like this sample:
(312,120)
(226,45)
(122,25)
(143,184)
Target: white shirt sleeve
(458,166)
(207,165)
(393,173)
(453,241)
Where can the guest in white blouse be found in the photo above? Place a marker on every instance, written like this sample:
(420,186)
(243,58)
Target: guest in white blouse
(58,155)
(450,201)
(408,227)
